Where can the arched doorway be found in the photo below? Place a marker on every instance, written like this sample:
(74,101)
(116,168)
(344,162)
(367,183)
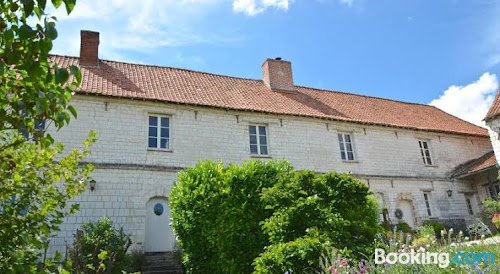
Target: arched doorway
(159,233)
(406,207)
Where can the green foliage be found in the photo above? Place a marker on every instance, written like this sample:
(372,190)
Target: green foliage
(217,213)
(37,184)
(99,247)
(426,231)
(438,227)
(33,89)
(295,256)
(491,207)
(404,227)
(226,217)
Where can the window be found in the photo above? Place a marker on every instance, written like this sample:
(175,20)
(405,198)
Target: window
(159,132)
(346,147)
(469,206)
(427,203)
(493,190)
(426,152)
(258,140)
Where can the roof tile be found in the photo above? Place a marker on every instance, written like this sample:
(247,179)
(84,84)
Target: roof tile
(203,89)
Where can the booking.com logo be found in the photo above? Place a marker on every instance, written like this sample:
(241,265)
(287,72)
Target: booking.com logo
(441,259)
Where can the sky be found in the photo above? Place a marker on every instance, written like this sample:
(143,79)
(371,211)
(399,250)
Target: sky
(445,53)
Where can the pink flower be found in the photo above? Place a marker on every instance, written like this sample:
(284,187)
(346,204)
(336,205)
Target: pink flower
(343,262)
(330,268)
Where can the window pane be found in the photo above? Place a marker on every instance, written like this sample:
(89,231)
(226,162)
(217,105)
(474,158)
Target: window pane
(263,140)
(152,142)
(349,146)
(165,122)
(153,120)
(342,154)
(165,132)
(262,130)
(253,149)
(420,144)
(340,138)
(164,143)
(347,137)
(429,161)
(253,139)
(153,132)
(425,145)
(263,150)
(252,130)
(427,153)
(350,156)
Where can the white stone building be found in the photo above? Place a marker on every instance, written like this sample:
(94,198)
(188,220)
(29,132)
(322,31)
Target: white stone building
(154,121)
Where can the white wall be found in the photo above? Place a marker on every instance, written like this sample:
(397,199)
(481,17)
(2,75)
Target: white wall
(389,158)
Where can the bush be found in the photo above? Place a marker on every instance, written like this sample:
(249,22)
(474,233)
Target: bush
(438,227)
(265,212)
(404,227)
(98,244)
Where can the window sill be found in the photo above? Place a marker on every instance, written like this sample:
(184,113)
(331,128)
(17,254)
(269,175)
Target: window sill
(431,165)
(160,150)
(350,161)
(260,156)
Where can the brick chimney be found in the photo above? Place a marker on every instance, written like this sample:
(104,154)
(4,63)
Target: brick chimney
(277,75)
(89,48)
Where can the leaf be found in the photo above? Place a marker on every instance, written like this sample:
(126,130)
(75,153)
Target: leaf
(62,75)
(73,111)
(57,3)
(70,4)
(42,4)
(50,30)
(28,7)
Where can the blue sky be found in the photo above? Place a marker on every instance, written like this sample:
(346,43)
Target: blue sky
(446,52)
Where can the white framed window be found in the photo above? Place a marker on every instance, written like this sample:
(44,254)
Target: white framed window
(159,132)
(258,140)
(346,147)
(493,190)
(427,203)
(425,151)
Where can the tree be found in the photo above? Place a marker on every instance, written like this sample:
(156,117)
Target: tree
(37,178)
(33,89)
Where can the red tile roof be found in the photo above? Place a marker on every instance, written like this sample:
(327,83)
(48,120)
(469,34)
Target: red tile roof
(486,161)
(183,86)
(495,108)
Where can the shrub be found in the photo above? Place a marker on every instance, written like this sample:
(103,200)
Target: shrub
(98,244)
(438,227)
(265,212)
(404,227)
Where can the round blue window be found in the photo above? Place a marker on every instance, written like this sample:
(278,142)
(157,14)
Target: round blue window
(158,209)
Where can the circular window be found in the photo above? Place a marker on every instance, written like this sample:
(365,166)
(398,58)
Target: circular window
(158,209)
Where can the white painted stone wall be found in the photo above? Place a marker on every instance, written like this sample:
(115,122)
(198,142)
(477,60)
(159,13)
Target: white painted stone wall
(493,126)
(389,159)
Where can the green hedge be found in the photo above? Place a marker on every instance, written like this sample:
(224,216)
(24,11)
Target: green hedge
(239,219)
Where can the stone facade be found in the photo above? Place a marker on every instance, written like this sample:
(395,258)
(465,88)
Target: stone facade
(128,174)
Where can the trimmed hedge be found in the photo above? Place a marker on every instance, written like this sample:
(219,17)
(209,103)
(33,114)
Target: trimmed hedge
(264,216)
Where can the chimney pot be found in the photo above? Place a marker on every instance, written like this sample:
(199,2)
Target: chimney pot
(89,48)
(277,75)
